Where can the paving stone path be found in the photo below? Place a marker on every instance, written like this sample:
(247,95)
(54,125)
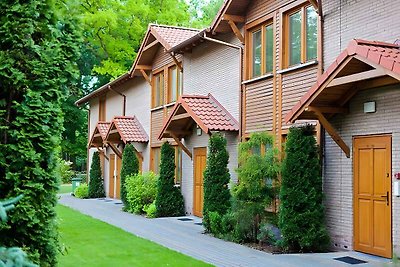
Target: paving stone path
(186,236)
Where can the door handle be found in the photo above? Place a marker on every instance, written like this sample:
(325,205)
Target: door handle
(387,198)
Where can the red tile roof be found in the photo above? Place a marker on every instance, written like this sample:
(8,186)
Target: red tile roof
(103,127)
(385,55)
(170,36)
(206,111)
(129,129)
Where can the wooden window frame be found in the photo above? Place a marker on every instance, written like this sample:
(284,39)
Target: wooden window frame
(179,88)
(178,158)
(250,29)
(153,89)
(102,108)
(303,44)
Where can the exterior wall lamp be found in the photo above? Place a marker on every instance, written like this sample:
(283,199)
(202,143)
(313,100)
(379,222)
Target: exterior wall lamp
(198,130)
(370,107)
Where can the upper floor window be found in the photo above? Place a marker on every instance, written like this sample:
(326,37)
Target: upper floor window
(301,35)
(261,40)
(102,108)
(174,83)
(156,160)
(158,90)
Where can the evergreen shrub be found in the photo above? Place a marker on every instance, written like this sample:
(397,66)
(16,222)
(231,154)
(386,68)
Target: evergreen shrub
(301,213)
(130,167)
(169,200)
(96,184)
(141,191)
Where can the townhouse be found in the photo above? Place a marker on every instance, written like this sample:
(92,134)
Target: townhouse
(267,65)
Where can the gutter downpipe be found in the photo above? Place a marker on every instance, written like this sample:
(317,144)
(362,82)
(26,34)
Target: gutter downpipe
(240,48)
(124,96)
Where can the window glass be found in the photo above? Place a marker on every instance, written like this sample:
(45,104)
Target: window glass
(269,48)
(256,150)
(173,83)
(256,53)
(159,90)
(311,28)
(156,160)
(295,38)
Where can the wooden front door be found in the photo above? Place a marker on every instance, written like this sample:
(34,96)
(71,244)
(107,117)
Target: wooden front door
(372,195)
(111,177)
(118,179)
(199,165)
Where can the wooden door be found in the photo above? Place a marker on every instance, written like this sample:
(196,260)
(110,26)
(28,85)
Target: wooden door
(111,177)
(118,179)
(199,165)
(372,195)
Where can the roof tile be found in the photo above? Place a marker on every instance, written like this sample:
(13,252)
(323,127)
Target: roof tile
(103,127)
(174,35)
(130,129)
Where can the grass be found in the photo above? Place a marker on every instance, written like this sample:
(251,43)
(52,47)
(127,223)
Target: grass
(65,188)
(90,242)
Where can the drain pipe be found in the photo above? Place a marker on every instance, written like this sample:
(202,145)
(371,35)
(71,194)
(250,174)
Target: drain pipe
(240,75)
(124,96)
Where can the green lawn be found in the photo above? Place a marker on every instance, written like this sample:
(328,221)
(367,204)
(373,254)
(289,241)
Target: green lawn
(65,188)
(90,242)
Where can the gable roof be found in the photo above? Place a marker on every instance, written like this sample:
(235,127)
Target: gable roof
(229,7)
(205,111)
(361,61)
(127,129)
(99,133)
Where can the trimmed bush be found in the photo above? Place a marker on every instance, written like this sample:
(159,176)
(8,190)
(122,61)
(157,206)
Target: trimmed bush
(169,200)
(130,167)
(216,179)
(82,191)
(141,191)
(301,216)
(151,210)
(96,185)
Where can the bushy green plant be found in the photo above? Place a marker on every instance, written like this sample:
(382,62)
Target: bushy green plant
(96,184)
(257,172)
(141,191)
(64,171)
(301,216)
(151,210)
(169,200)
(216,179)
(82,191)
(130,167)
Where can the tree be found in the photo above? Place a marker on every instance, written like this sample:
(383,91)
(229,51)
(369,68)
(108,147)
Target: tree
(203,12)
(301,216)
(37,55)
(96,185)
(216,179)
(130,167)
(169,200)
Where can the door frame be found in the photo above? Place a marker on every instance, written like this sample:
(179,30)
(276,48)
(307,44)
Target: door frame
(357,137)
(111,177)
(194,178)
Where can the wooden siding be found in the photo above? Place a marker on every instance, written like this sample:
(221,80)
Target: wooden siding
(162,59)
(259,8)
(259,108)
(157,119)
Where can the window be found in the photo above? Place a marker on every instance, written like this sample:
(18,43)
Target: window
(156,160)
(302,35)
(261,50)
(158,90)
(102,108)
(174,83)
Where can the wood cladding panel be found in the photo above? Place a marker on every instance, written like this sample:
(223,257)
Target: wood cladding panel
(259,8)
(162,59)
(158,118)
(259,106)
(294,85)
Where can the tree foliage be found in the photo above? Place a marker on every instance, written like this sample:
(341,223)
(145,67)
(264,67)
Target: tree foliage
(301,216)
(216,179)
(130,167)
(203,12)
(169,200)
(37,55)
(96,184)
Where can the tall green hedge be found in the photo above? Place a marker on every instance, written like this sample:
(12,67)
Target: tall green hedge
(96,183)
(38,55)
(169,200)
(301,216)
(216,179)
(130,167)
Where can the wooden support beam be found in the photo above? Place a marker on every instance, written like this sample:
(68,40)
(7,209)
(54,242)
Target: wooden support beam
(150,45)
(143,67)
(97,135)
(101,151)
(361,76)
(330,109)
(177,63)
(181,116)
(346,97)
(331,131)
(139,155)
(314,3)
(145,76)
(236,31)
(115,149)
(185,149)
(234,18)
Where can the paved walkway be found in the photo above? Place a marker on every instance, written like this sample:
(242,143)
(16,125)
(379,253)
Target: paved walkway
(187,238)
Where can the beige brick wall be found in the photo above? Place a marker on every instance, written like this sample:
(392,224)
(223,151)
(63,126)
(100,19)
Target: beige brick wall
(338,176)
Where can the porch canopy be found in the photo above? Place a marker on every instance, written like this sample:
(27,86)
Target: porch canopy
(124,129)
(189,110)
(99,134)
(362,65)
